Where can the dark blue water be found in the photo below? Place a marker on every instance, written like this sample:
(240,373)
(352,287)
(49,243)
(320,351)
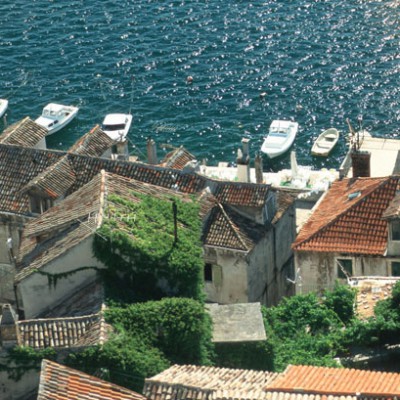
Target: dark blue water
(319,62)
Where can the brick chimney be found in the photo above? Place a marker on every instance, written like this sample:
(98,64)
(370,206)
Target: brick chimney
(8,327)
(243,162)
(361,163)
(258,165)
(151,152)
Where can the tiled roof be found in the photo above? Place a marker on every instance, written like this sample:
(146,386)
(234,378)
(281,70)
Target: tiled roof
(54,181)
(26,133)
(284,199)
(18,166)
(194,382)
(370,290)
(336,381)
(177,159)
(226,228)
(241,194)
(58,382)
(56,173)
(74,219)
(393,210)
(33,256)
(88,330)
(94,143)
(349,218)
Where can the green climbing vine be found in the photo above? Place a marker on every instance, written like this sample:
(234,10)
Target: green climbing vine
(52,279)
(151,249)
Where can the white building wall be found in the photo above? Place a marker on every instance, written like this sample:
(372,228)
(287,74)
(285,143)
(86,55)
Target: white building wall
(35,294)
(232,287)
(319,271)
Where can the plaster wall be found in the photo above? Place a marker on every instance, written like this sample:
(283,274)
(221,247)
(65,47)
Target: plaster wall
(260,270)
(35,294)
(233,286)
(13,389)
(10,227)
(319,271)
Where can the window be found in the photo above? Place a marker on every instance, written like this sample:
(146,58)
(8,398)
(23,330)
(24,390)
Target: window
(395,229)
(344,268)
(395,268)
(208,272)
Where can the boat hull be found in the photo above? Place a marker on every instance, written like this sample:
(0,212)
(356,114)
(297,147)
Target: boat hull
(56,116)
(280,138)
(3,107)
(325,143)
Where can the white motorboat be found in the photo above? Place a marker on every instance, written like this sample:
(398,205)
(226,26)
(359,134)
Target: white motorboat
(325,142)
(55,116)
(117,126)
(280,137)
(3,106)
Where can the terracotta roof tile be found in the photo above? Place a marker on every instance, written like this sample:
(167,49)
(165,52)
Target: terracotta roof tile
(88,330)
(19,166)
(60,382)
(177,159)
(54,181)
(94,143)
(241,194)
(349,218)
(26,133)
(194,382)
(336,381)
(226,228)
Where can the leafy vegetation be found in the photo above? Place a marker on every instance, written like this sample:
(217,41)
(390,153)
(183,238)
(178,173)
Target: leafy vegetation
(145,260)
(150,337)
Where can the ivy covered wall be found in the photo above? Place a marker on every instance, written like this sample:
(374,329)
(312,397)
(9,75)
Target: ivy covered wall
(151,247)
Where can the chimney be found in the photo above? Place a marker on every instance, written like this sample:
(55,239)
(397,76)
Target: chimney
(151,152)
(243,162)
(8,327)
(258,165)
(360,161)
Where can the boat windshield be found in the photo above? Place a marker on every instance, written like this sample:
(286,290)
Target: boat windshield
(116,127)
(278,132)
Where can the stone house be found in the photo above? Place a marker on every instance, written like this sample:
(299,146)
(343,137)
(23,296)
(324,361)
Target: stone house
(73,325)
(353,231)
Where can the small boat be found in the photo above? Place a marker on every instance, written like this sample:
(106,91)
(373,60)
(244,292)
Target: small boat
(325,142)
(117,126)
(3,106)
(55,116)
(280,137)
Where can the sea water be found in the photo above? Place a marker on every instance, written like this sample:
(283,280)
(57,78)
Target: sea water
(316,62)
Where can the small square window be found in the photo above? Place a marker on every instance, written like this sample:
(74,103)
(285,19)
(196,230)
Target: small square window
(395,268)
(395,229)
(344,268)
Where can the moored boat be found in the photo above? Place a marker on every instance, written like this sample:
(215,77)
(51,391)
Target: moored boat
(56,116)
(3,106)
(325,142)
(117,126)
(280,137)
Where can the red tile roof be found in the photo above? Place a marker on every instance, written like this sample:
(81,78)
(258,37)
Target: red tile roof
(336,381)
(58,382)
(241,194)
(349,218)
(177,159)
(26,133)
(94,143)
(226,228)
